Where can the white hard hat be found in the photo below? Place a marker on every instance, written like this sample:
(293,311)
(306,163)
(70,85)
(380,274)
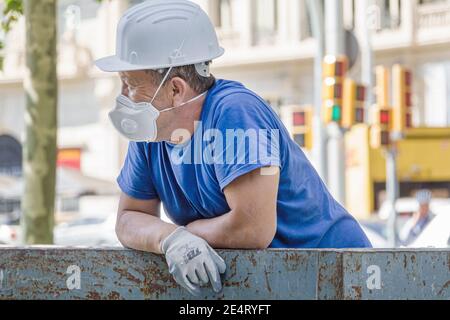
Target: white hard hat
(160,34)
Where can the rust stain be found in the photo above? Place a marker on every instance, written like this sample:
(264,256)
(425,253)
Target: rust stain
(127,275)
(233,266)
(246,283)
(156,281)
(233,262)
(338,278)
(335,280)
(266,274)
(293,260)
(114,295)
(358,266)
(445,286)
(93,295)
(358,292)
(448,262)
(252,260)
(289,257)
(238,284)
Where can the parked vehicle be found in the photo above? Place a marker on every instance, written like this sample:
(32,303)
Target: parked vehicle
(87,232)
(9,235)
(406,206)
(436,234)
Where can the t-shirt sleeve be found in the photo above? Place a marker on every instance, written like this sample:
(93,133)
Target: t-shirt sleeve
(135,177)
(249,138)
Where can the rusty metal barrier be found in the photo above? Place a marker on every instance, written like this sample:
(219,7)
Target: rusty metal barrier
(117,273)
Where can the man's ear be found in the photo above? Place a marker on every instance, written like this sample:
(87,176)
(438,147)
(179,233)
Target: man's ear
(178,90)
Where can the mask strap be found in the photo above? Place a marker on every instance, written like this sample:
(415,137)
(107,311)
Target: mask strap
(161,84)
(187,102)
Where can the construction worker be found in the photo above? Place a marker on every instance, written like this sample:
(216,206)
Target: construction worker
(419,220)
(185,129)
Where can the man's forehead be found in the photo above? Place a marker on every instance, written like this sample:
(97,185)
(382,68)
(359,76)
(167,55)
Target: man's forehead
(139,75)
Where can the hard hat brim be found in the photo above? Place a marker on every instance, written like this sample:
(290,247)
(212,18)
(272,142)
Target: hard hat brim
(114,64)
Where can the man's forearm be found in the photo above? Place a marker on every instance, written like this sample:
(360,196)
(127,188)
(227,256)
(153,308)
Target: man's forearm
(141,231)
(224,233)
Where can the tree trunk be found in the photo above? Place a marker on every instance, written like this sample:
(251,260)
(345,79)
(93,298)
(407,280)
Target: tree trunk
(41,88)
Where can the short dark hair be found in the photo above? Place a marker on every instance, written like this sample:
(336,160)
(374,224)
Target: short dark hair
(188,73)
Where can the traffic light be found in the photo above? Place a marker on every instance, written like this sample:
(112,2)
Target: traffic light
(302,126)
(380,130)
(382,90)
(402,83)
(334,72)
(353,105)
(332,89)
(335,67)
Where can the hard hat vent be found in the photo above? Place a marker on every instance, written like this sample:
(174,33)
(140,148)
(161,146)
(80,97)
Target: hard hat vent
(141,11)
(167,14)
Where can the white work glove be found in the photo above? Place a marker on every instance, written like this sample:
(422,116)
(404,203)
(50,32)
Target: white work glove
(192,262)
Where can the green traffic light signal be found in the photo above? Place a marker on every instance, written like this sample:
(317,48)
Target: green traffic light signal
(336,113)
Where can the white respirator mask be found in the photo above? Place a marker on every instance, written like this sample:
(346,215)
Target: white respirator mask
(137,121)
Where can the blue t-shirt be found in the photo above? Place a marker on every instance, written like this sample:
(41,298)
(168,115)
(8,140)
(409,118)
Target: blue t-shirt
(238,132)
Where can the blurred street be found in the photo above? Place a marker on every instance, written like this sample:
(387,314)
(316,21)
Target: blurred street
(225,149)
(270,47)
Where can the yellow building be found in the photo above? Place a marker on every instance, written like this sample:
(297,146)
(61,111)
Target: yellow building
(423,158)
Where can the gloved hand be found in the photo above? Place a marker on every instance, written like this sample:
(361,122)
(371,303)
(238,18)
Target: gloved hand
(192,262)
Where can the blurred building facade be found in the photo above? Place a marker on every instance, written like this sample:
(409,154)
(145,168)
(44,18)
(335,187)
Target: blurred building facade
(269,47)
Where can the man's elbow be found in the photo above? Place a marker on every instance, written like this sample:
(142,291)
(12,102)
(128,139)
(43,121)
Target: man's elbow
(263,242)
(119,229)
(119,234)
(250,235)
(260,238)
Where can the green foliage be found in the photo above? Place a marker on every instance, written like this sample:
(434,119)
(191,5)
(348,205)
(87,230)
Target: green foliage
(11,13)
(12,10)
